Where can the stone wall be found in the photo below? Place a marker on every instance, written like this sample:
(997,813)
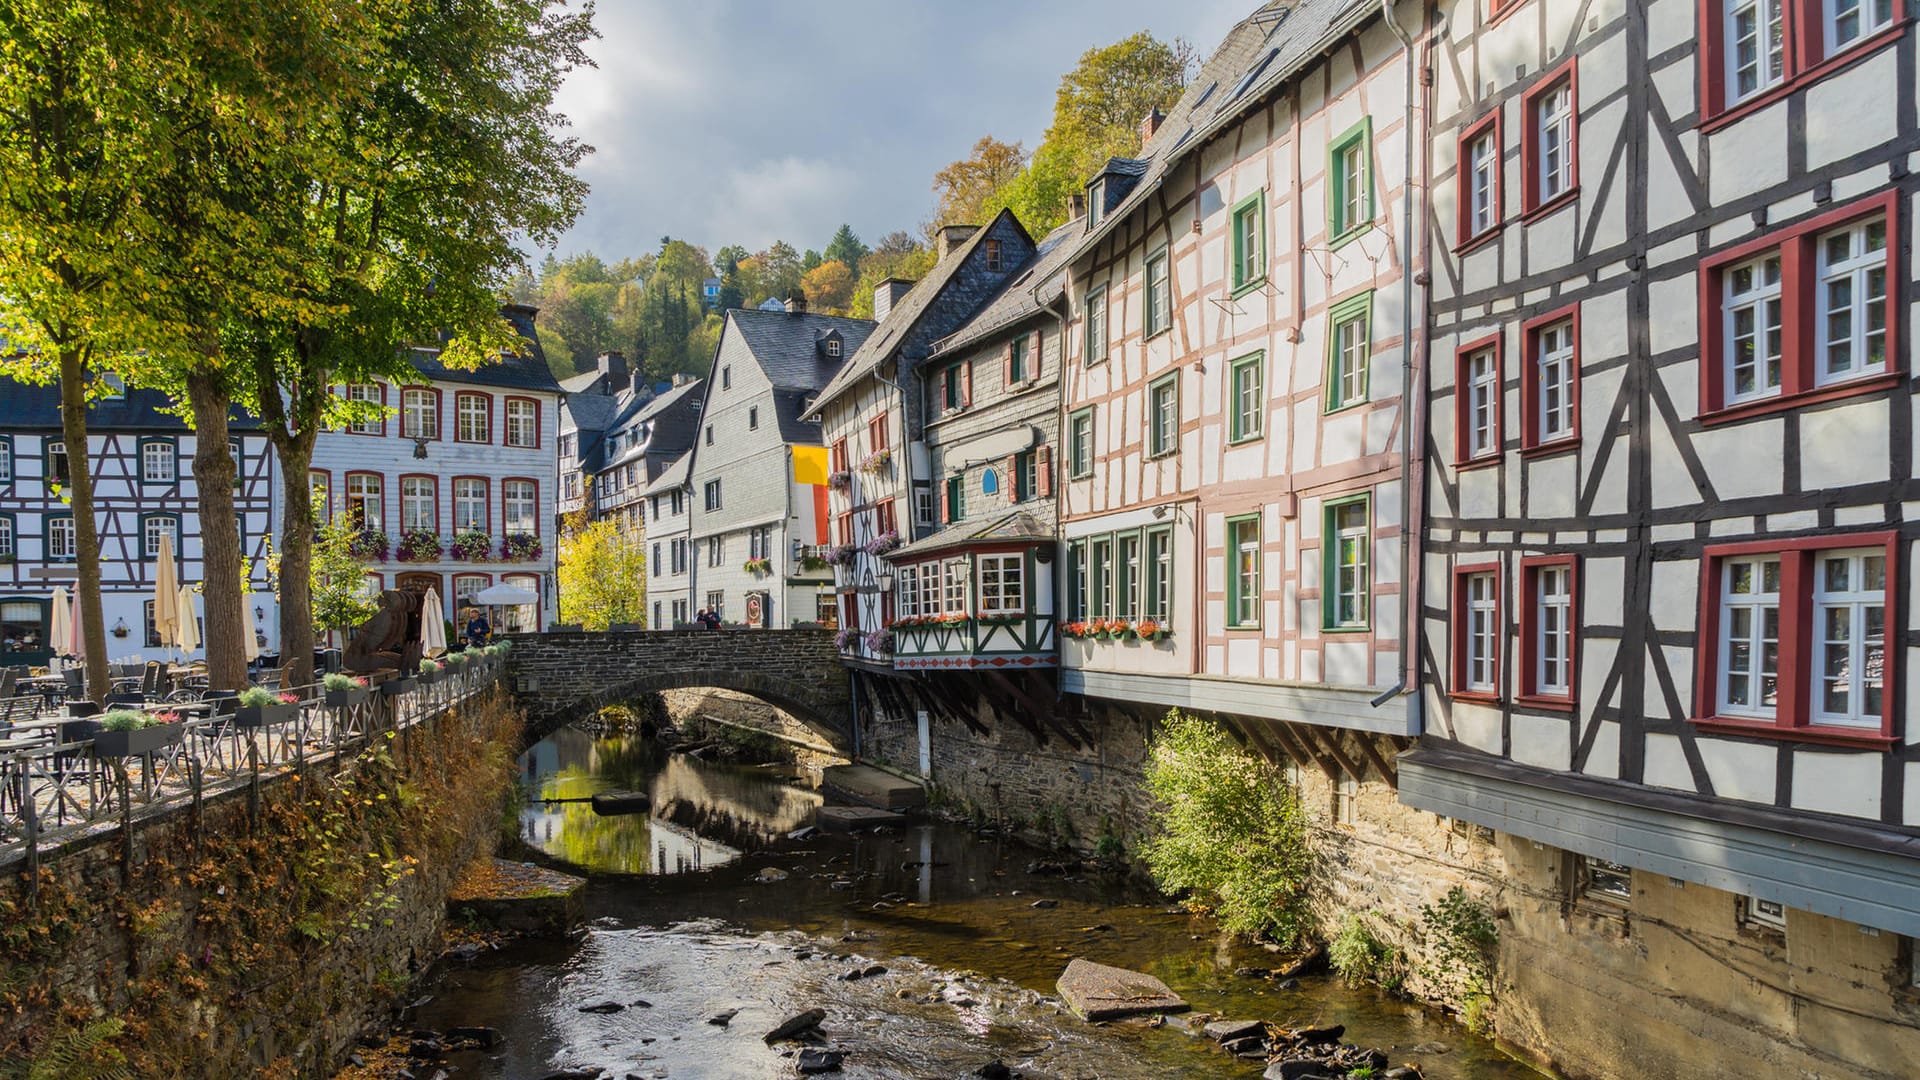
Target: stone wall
(732,707)
(241,944)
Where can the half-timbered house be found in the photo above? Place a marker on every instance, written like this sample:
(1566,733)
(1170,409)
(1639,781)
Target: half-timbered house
(454,487)
(1671,446)
(144,496)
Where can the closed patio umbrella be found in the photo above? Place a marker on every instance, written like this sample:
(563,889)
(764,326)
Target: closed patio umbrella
(60,634)
(77,638)
(433,624)
(188,628)
(166,596)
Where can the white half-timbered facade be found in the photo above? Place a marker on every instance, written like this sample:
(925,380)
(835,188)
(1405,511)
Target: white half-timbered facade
(1665,623)
(454,487)
(1236,362)
(144,496)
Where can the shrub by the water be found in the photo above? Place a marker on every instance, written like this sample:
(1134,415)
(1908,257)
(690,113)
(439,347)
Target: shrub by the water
(1230,832)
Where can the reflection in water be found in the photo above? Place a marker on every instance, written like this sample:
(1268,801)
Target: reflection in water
(704,815)
(930,901)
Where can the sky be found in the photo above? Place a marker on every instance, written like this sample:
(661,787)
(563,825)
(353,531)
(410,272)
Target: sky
(734,122)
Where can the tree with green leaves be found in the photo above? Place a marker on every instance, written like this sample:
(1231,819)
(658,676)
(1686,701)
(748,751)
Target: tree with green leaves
(845,248)
(337,578)
(602,577)
(967,186)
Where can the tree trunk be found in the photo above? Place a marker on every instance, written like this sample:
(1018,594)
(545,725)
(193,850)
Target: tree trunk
(86,535)
(213,473)
(296,556)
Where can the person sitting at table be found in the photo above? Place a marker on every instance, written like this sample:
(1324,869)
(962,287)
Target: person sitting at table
(478,629)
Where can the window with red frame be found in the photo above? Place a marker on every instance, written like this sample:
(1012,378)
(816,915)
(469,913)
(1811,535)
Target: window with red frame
(1751,48)
(472,415)
(1476,632)
(839,455)
(1794,635)
(1550,384)
(1477,398)
(1548,634)
(370,422)
(845,528)
(523,423)
(1803,311)
(884,521)
(1479,178)
(1550,149)
(877,433)
(1498,9)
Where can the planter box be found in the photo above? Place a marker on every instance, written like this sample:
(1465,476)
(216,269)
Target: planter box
(140,741)
(340,699)
(428,678)
(396,687)
(79,730)
(265,715)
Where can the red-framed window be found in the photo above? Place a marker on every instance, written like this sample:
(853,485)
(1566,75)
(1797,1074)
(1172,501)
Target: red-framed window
(520,506)
(839,455)
(323,499)
(419,412)
(472,504)
(1550,380)
(374,393)
(1477,632)
(884,519)
(877,437)
(1500,9)
(1756,51)
(419,503)
(523,423)
(367,500)
(1804,313)
(472,417)
(843,528)
(524,618)
(1550,146)
(1479,393)
(464,586)
(1549,630)
(1793,638)
(1481,179)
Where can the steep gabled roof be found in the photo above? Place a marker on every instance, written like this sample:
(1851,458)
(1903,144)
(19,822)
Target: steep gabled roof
(1025,294)
(786,344)
(673,476)
(524,370)
(590,412)
(900,321)
(27,407)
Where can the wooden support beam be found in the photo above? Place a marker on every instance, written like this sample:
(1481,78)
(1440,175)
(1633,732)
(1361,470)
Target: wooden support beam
(1310,749)
(1319,737)
(1295,752)
(1379,762)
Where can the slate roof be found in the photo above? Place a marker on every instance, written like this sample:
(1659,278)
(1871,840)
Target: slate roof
(1028,292)
(1016,526)
(591,412)
(675,475)
(786,345)
(525,370)
(906,311)
(1258,54)
(26,407)
(582,383)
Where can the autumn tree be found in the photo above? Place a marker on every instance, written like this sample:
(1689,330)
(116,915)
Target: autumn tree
(966,187)
(828,287)
(602,577)
(898,255)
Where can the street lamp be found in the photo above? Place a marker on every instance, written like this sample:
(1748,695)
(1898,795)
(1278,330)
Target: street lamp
(885,578)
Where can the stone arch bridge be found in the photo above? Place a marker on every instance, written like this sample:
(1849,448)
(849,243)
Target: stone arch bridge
(562,677)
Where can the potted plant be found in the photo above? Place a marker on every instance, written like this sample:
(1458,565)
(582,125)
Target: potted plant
(1120,629)
(520,547)
(880,545)
(1151,630)
(758,566)
(877,462)
(879,641)
(842,554)
(812,563)
(343,690)
(370,545)
(429,671)
(844,639)
(840,480)
(258,708)
(125,733)
(471,545)
(396,686)
(418,545)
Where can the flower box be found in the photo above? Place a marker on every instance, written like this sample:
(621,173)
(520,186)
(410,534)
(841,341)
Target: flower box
(428,678)
(520,547)
(370,545)
(420,545)
(758,566)
(146,740)
(340,699)
(259,716)
(470,546)
(840,480)
(396,687)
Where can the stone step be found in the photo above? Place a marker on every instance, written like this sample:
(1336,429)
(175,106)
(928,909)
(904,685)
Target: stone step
(868,786)
(849,818)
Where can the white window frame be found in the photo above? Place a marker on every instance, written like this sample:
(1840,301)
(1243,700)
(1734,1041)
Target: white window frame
(930,593)
(1483,165)
(1003,584)
(1353,350)
(373,489)
(1482,642)
(1244,540)
(528,520)
(154,527)
(1100,576)
(57,448)
(414,490)
(463,486)
(1868,18)
(1128,568)
(1483,402)
(523,415)
(954,575)
(368,392)
(907,588)
(1163,432)
(1768,62)
(1157,562)
(1754,603)
(1354,189)
(1553,631)
(1862,275)
(1158,302)
(1096,328)
(1848,661)
(6,536)
(473,417)
(62,539)
(1761,299)
(159,461)
(1555,117)
(1556,358)
(419,414)
(1357,538)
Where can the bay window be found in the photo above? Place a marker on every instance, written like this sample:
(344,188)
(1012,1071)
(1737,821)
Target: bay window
(1002,585)
(1794,637)
(907,588)
(956,582)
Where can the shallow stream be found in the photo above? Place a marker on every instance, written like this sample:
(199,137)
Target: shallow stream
(708,906)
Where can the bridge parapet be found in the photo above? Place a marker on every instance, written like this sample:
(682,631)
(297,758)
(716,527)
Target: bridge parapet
(561,677)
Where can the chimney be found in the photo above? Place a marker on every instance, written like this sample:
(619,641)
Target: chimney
(796,303)
(886,294)
(952,236)
(681,378)
(1150,125)
(614,366)
(1077,205)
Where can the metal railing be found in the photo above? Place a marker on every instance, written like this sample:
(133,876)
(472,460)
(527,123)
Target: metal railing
(60,791)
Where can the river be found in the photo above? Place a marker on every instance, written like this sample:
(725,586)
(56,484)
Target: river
(708,907)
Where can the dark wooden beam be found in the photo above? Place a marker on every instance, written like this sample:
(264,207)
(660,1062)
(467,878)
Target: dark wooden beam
(1374,757)
(1320,737)
(1309,749)
(1295,752)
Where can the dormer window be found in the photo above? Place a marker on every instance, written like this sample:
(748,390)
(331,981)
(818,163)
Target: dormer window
(1096,201)
(833,347)
(116,386)
(830,345)
(994,264)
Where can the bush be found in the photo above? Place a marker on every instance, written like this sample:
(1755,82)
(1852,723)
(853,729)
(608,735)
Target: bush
(123,720)
(1361,956)
(1231,833)
(253,697)
(1462,937)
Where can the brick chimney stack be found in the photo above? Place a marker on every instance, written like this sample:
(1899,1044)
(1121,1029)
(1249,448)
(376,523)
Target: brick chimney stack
(953,236)
(1149,125)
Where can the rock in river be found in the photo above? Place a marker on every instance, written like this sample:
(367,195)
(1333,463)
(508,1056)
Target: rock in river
(797,1025)
(724,1018)
(603,1007)
(819,1061)
(1098,992)
(1228,1030)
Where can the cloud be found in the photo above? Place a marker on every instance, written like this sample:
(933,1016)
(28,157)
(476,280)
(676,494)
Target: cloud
(729,121)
